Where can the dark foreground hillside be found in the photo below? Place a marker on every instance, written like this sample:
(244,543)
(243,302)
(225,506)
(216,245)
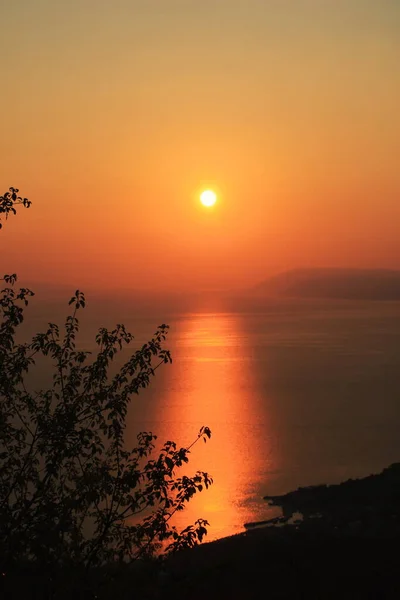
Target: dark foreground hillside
(290,565)
(347,546)
(256,565)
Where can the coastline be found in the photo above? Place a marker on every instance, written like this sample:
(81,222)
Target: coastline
(348,551)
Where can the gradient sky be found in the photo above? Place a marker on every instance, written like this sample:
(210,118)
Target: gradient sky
(115,114)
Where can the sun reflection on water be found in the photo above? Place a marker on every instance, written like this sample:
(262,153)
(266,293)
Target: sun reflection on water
(212,385)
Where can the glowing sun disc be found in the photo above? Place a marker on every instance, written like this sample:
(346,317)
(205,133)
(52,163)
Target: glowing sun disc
(208,198)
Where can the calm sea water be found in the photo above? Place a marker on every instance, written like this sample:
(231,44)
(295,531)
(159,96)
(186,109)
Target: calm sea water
(297,395)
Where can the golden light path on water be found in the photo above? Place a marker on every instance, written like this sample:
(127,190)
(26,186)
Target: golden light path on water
(211,383)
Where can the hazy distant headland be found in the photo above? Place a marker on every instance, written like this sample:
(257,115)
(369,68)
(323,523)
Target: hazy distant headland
(273,293)
(358,284)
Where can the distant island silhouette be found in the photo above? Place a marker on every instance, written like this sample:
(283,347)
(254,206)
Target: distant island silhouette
(362,284)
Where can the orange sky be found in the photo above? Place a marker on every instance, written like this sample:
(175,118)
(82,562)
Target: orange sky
(115,114)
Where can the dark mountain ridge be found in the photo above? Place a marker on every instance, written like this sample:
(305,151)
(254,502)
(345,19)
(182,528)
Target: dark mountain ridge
(365,284)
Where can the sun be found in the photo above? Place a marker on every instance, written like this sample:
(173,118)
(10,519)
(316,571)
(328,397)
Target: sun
(208,198)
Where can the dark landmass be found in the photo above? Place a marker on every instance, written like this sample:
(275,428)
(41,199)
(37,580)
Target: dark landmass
(346,546)
(367,506)
(360,284)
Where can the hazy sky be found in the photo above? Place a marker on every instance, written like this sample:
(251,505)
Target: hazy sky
(116,113)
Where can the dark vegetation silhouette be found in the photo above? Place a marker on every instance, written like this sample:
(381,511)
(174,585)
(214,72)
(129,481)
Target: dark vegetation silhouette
(76,504)
(9,202)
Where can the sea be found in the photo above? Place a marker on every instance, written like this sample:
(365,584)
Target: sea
(297,393)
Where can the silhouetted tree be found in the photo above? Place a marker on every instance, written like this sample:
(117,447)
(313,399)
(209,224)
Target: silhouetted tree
(71,493)
(8,202)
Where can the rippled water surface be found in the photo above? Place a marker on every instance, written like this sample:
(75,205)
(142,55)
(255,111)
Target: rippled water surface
(293,397)
(299,395)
